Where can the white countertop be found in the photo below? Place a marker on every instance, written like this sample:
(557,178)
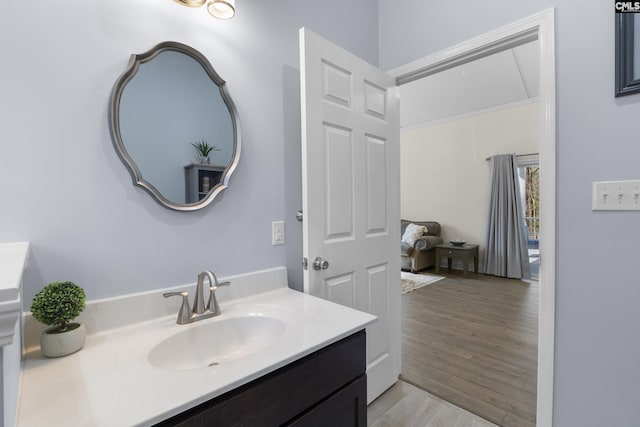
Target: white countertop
(110,382)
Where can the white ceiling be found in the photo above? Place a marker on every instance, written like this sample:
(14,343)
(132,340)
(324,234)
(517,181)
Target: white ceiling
(503,78)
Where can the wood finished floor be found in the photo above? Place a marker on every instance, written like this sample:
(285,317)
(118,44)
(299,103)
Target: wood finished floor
(472,341)
(405,405)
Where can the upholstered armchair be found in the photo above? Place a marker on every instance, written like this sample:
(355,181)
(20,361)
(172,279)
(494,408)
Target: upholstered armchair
(421,253)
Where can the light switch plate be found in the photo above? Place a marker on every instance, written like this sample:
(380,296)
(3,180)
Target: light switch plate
(616,196)
(277,233)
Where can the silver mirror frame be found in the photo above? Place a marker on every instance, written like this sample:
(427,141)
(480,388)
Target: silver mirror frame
(114,118)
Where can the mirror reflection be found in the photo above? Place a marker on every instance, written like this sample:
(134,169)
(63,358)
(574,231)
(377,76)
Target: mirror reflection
(175,127)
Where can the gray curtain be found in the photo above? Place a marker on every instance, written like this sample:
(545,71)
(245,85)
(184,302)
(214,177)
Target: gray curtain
(506,253)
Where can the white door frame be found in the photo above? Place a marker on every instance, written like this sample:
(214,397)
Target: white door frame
(542,27)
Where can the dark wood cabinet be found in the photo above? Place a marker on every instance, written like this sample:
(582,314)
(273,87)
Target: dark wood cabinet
(328,387)
(200,179)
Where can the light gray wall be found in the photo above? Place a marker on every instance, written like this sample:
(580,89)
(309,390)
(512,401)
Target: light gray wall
(62,185)
(598,321)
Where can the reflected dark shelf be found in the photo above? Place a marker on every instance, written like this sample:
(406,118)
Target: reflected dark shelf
(200,178)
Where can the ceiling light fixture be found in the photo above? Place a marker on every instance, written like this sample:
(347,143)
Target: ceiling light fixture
(191,3)
(222,9)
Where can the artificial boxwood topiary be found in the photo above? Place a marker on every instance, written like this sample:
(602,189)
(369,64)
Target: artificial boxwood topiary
(57,304)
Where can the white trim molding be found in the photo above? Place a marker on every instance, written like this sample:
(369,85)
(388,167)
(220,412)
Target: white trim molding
(13,261)
(542,27)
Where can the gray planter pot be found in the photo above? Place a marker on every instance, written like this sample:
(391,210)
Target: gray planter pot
(62,344)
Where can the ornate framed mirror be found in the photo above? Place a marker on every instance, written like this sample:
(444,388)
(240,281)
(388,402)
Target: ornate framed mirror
(175,127)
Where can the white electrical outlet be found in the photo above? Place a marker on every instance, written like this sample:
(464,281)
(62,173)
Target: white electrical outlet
(277,233)
(616,196)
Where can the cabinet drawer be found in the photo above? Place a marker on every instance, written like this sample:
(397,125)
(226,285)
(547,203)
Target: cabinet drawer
(452,252)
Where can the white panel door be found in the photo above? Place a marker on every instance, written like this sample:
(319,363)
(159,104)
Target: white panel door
(351,200)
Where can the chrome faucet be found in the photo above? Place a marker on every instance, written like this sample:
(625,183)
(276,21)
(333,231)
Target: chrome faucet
(199,311)
(198,301)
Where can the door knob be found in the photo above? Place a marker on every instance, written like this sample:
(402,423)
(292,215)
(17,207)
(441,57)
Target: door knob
(320,264)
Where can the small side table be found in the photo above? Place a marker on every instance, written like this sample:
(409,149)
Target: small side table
(463,252)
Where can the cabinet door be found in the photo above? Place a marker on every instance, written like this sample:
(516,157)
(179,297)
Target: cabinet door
(346,408)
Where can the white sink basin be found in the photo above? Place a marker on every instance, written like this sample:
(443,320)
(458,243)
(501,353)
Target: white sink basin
(215,342)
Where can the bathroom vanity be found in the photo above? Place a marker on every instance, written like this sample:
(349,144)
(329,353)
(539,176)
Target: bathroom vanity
(328,387)
(274,356)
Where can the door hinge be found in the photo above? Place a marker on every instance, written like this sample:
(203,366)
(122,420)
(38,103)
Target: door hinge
(299,216)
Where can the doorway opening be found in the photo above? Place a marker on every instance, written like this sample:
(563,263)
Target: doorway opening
(540,27)
(470,339)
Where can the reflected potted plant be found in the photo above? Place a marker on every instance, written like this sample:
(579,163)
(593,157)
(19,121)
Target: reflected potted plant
(56,305)
(203,149)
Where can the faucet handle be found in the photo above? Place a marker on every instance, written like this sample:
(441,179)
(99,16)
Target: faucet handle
(227,283)
(184,315)
(213,305)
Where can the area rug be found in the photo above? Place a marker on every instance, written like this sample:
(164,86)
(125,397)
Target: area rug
(411,282)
